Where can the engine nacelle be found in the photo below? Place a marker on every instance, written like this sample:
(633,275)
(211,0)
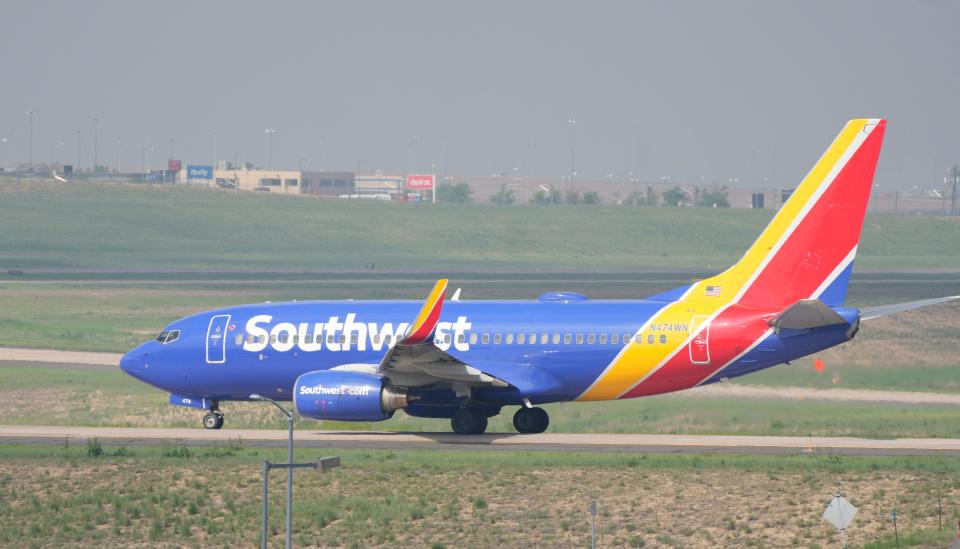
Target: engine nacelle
(346,396)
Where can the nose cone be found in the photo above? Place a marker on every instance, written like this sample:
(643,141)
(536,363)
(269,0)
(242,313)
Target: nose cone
(132,363)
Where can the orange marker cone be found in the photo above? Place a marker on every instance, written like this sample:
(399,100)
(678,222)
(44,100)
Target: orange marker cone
(818,365)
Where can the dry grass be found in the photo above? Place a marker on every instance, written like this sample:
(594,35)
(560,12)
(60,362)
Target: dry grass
(382,499)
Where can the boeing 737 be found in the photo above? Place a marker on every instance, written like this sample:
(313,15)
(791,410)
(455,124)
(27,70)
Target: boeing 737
(467,360)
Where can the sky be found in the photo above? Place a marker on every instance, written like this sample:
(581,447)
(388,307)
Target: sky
(694,90)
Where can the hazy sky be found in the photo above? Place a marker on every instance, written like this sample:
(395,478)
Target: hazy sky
(686,89)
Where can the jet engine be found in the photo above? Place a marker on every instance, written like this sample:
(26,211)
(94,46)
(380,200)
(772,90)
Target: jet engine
(346,396)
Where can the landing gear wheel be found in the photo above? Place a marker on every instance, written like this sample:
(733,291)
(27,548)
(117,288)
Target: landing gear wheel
(531,420)
(212,421)
(468,421)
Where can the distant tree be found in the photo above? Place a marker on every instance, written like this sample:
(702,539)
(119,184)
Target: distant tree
(591,198)
(454,193)
(635,198)
(546,197)
(716,198)
(503,197)
(673,197)
(572,198)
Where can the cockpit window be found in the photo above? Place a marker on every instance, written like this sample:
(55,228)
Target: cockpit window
(168,337)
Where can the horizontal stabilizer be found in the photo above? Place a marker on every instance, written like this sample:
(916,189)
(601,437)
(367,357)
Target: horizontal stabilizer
(806,314)
(884,310)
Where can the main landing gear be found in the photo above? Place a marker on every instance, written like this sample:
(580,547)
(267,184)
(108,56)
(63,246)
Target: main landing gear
(531,420)
(213,419)
(469,421)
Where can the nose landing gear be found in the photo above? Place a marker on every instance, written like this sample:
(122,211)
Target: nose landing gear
(213,419)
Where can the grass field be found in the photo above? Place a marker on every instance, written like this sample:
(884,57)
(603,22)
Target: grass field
(133,227)
(178,497)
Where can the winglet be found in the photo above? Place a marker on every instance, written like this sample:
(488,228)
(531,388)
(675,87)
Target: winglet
(422,328)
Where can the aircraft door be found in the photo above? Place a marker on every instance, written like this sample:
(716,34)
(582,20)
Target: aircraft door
(700,342)
(217,339)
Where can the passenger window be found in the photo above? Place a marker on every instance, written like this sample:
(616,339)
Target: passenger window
(555,339)
(473,338)
(485,339)
(330,338)
(521,339)
(376,339)
(343,339)
(603,339)
(238,340)
(273,338)
(354,338)
(263,340)
(509,339)
(567,338)
(626,338)
(461,338)
(251,338)
(615,339)
(296,339)
(533,339)
(591,339)
(543,338)
(496,339)
(282,338)
(663,338)
(649,338)
(579,339)
(387,339)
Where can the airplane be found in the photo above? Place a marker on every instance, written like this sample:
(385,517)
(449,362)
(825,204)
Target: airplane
(467,360)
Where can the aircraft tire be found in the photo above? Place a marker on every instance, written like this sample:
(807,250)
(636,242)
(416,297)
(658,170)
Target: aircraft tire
(531,420)
(212,421)
(467,421)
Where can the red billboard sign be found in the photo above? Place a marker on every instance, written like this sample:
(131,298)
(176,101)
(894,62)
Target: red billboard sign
(173,165)
(421,182)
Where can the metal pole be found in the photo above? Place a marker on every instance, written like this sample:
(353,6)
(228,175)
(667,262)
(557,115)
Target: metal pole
(290,481)
(263,530)
(96,136)
(593,524)
(30,156)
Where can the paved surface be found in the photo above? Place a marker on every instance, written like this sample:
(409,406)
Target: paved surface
(12,354)
(678,444)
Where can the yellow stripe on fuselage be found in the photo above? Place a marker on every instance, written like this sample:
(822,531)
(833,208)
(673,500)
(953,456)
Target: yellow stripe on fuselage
(637,361)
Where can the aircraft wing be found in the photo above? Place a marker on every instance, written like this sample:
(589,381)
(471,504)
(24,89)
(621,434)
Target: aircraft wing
(415,360)
(884,310)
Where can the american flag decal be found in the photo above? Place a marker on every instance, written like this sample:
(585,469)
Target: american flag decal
(713,291)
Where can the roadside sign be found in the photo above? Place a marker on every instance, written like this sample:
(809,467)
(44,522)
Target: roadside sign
(173,165)
(199,172)
(840,513)
(421,182)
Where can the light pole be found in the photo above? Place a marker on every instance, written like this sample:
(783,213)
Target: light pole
(30,113)
(270,132)
(96,136)
(216,134)
(79,149)
(118,155)
(289,414)
(573,149)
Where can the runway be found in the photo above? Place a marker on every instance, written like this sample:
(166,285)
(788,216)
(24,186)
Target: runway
(555,442)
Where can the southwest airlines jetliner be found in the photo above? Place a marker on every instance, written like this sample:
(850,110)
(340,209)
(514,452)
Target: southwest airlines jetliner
(466,360)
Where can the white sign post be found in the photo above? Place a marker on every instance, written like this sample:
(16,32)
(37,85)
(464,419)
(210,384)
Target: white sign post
(840,514)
